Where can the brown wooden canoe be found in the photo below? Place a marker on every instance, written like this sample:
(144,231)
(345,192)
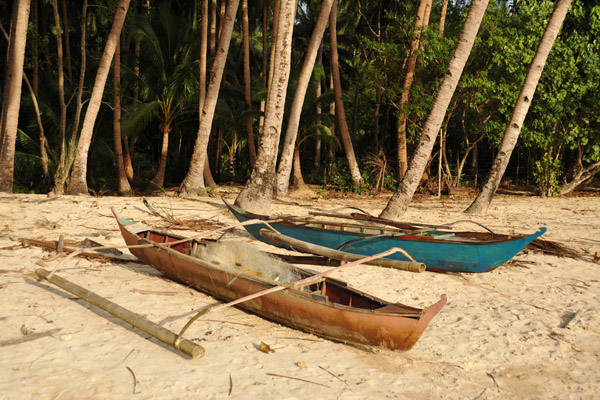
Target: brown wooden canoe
(329,308)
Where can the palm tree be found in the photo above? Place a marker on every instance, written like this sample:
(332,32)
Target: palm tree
(123,183)
(248,82)
(406,189)
(339,102)
(511,134)
(12,92)
(420,22)
(258,192)
(193,183)
(77,183)
(169,85)
(285,162)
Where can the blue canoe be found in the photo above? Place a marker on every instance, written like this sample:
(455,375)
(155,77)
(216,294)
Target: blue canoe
(440,250)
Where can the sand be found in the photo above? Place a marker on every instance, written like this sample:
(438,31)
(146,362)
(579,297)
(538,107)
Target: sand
(501,335)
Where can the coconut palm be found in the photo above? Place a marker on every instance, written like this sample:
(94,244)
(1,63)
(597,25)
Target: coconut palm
(12,93)
(78,184)
(168,79)
(513,128)
(401,199)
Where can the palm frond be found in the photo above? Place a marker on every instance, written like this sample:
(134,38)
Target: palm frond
(136,119)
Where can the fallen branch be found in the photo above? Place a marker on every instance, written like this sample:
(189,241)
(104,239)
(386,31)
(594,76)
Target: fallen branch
(298,379)
(334,375)
(134,379)
(52,245)
(30,337)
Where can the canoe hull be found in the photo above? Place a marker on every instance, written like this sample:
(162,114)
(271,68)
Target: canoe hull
(437,254)
(396,330)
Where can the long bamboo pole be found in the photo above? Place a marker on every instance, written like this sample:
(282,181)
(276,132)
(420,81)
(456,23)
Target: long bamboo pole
(164,335)
(300,245)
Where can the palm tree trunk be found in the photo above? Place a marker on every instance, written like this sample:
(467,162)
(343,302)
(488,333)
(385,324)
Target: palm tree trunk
(406,189)
(77,183)
(123,183)
(332,148)
(408,81)
(67,41)
(339,103)
(35,49)
(208,178)
(274,39)
(318,141)
(258,192)
(203,49)
(62,169)
(298,180)
(248,82)
(513,129)
(127,162)
(78,102)
(193,183)
(291,134)
(45,42)
(159,179)
(443,17)
(213,26)
(67,155)
(261,119)
(12,92)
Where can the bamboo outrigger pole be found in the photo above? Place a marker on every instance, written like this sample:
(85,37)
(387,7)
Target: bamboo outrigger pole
(164,335)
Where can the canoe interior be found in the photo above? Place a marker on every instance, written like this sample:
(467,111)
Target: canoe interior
(408,233)
(328,290)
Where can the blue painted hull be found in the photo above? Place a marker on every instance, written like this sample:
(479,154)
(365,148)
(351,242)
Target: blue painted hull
(461,252)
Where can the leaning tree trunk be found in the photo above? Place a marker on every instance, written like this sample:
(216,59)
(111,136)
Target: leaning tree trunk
(258,192)
(289,143)
(265,52)
(318,142)
(208,178)
(513,129)
(12,93)
(77,183)
(582,175)
(193,183)
(406,189)
(123,183)
(339,103)
(248,82)
(408,81)
(159,179)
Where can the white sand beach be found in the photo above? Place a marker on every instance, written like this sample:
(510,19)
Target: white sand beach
(501,335)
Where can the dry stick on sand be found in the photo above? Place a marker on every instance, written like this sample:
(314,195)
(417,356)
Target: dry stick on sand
(294,285)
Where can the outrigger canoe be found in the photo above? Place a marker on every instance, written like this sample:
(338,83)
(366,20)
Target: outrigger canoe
(328,308)
(440,249)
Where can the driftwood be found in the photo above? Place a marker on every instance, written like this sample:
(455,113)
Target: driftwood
(164,335)
(50,245)
(303,246)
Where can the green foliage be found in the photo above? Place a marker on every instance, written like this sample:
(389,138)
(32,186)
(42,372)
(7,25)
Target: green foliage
(546,174)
